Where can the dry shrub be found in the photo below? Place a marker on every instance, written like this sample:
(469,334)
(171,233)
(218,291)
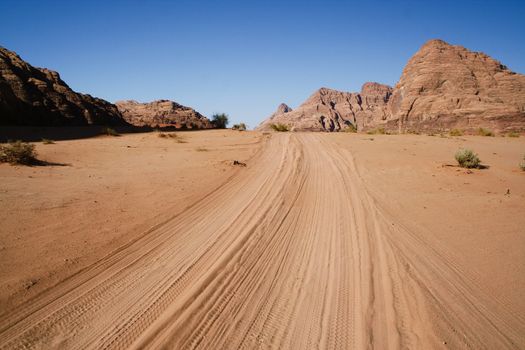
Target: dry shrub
(18,152)
(467,158)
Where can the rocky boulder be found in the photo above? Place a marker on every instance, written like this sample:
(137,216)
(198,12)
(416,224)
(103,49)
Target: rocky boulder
(162,113)
(38,96)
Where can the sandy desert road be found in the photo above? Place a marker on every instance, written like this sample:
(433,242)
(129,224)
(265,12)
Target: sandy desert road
(292,253)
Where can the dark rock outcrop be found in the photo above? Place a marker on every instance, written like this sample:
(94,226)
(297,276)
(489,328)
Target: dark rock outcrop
(37,96)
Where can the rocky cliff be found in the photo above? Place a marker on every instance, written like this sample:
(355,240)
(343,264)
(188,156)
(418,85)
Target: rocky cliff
(445,86)
(162,113)
(442,87)
(332,110)
(37,96)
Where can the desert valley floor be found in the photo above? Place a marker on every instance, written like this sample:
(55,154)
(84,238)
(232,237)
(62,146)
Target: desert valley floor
(329,241)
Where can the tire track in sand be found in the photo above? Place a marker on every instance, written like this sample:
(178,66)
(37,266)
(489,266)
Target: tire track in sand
(294,253)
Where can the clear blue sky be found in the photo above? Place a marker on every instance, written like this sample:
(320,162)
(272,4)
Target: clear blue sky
(245,57)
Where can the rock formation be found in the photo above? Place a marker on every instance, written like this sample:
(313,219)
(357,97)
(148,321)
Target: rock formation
(332,110)
(445,86)
(37,96)
(274,118)
(162,113)
(442,87)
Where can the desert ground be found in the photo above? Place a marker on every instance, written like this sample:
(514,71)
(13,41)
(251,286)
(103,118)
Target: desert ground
(322,241)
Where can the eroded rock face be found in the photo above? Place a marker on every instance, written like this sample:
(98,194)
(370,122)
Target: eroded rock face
(442,87)
(37,96)
(445,86)
(332,110)
(162,113)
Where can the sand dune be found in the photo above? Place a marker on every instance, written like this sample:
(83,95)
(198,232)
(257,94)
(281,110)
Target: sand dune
(322,241)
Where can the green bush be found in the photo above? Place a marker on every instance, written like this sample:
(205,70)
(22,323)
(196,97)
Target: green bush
(240,127)
(18,152)
(467,158)
(513,134)
(456,132)
(485,132)
(220,120)
(280,127)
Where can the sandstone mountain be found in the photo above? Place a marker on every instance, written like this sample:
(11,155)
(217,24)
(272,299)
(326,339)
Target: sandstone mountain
(445,86)
(37,96)
(332,110)
(274,118)
(162,113)
(442,87)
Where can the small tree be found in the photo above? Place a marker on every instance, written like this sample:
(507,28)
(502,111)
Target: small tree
(220,120)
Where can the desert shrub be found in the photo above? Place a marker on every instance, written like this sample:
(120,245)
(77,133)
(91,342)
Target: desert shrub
(220,120)
(47,142)
(201,149)
(350,128)
(513,134)
(522,164)
(18,152)
(485,132)
(162,135)
(279,127)
(109,131)
(380,131)
(456,132)
(240,127)
(467,158)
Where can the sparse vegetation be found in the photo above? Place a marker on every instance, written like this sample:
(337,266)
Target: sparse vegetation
(456,132)
(513,134)
(522,164)
(379,131)
(173,136)
(485,132)
(220,120)
(47,142)
(201,149)
(350,128)
(109,131)
(18,152)
(240,127)
(466,158)
(280,127)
